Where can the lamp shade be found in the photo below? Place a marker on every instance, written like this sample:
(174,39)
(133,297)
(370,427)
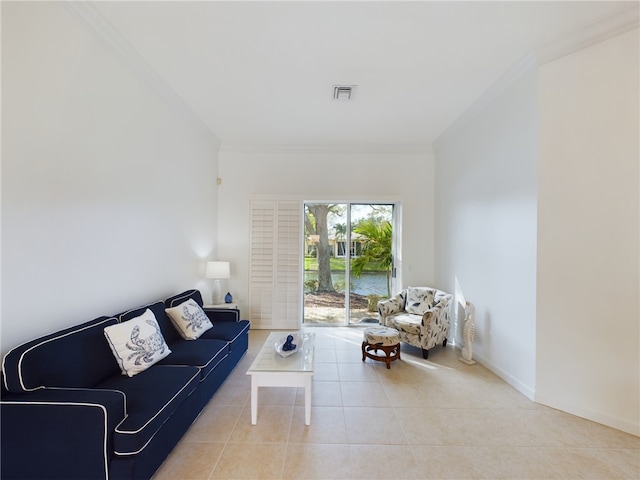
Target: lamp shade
(217,270)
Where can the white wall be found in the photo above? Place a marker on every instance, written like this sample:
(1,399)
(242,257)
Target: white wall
(486,228)
(557,296)
(108,197)
(588,288)
(323,176)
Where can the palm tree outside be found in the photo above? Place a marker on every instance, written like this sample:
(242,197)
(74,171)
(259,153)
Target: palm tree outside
(377,253)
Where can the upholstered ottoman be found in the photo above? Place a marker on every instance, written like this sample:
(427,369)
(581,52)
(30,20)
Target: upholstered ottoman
(381,338)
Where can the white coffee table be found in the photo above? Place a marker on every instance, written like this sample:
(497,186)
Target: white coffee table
(269,369)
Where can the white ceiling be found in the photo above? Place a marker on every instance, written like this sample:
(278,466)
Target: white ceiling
(261,73)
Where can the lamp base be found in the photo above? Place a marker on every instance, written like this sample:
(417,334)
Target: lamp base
(216,295)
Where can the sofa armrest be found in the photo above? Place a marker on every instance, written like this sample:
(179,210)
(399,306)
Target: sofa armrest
(393,305)
(59,433)
(222,314)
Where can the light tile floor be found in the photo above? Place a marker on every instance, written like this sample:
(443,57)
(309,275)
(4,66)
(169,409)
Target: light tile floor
(436,419)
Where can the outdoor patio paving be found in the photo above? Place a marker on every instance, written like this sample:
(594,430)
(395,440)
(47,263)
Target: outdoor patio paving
(330,310)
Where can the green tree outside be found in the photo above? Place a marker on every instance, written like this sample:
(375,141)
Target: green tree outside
(377,254)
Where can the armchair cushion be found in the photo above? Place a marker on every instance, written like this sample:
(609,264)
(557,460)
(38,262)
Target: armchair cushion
(419,300)
(406,322)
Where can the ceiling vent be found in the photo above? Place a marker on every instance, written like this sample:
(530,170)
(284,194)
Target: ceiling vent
(343,92)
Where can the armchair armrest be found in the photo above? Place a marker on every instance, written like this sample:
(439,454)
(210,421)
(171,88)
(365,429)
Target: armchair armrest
(59,433)
(222,314)
(435,323)
(393,305)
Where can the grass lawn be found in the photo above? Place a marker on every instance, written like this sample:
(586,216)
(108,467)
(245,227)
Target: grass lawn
(337,264)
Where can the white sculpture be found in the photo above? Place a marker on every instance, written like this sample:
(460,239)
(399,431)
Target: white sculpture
(468,333)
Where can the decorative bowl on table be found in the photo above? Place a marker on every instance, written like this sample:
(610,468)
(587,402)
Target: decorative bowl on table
(286,348)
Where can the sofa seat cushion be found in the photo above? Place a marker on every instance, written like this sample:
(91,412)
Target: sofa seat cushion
(405,322)
(227,331)
(201,353)
(151,398)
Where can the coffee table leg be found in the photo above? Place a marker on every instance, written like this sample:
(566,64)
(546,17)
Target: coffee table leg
(254,400)
(307,400)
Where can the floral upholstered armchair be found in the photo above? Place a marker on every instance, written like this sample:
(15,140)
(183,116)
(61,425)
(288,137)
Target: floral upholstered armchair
(421,316)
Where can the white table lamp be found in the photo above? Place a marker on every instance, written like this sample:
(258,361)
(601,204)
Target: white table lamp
(217,271)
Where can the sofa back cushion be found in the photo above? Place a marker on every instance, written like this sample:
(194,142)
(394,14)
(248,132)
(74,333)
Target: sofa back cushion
(169,333)
(176,300)
(77,357)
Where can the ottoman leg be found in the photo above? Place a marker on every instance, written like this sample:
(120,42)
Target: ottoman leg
(393,353)
(364,344)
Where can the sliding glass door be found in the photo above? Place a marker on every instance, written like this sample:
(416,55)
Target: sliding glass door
(371,259)
(348,261)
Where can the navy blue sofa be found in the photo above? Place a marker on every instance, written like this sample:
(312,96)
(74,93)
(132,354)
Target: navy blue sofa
(69,413)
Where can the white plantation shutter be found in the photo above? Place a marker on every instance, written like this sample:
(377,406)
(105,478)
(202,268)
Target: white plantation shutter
(275,271)
(262,262)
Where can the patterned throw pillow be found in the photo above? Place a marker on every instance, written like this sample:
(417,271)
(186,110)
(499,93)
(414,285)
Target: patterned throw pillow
(419,300)
(137,343)
(189,319)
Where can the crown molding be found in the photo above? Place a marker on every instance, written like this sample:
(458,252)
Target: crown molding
(97,23)
(597,32)
(610,27)
(367,149)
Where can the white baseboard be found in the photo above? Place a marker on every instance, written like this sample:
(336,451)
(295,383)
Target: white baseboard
(607,420)
(526,390)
